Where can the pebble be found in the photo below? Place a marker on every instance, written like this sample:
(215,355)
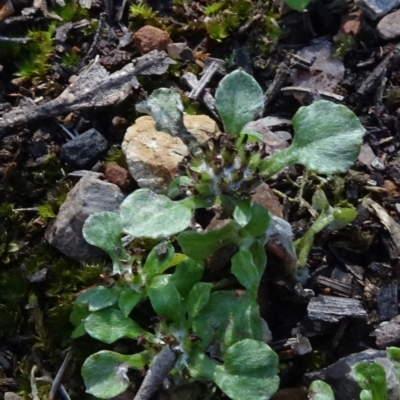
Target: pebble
(89,195)
(118,175)
(6,9)
(375,9)
(389,26)
(153,156)
(378,164)
(150,38)
(84,150)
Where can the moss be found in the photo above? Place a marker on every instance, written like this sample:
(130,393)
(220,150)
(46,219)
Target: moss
(144,15)
(115,154)
(37,53)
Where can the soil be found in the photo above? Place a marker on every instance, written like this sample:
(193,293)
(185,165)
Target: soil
(38,284)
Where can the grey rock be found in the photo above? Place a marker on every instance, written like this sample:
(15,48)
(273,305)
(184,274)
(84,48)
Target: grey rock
(89,196)
(388,333)
(84,150)
(389,26)
(375,9)
(338,375)
(12,396)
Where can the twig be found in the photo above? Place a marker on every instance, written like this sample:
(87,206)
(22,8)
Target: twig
(208,72)
(383,69)
(96,40)
(15,40)
(301,90)
(34,391)
(206,98)
(162,364)
(282,73)
(57,380)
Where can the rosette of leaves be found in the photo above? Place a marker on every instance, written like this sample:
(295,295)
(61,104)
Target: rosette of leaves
(229,327)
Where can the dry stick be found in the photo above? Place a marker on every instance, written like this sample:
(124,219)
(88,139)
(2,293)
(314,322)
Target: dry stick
(96,40)
(57,380)
(383,69)
(208,73)
(206,98)
(301,90)
(162,364)
(282,73)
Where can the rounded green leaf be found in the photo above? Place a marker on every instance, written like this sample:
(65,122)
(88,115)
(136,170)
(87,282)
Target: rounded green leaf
(249,371)
(145,214)
(298,5)
(198,298)
(110,324)
(327,137)
(238,99)
(371,377)
(166,108)
(128,300)
(105,372)
(165,299)
(199,246)
(103,230)
(244,269)
(98,298)
(187,274)
(320,390)
(327,140)
(159,258)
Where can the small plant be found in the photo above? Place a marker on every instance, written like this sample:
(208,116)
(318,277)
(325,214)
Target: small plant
(370,376)
(225,17)
(39,50)
(210,335)
(298,5)
(145,14)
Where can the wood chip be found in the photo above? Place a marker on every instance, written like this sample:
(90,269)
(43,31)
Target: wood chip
(333,309)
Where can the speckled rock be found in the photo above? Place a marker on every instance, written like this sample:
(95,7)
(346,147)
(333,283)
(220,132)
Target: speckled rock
(389,26)
(150,38)
(153,156)
(90,195)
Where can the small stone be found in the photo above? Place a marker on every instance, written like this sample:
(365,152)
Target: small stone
(367,155)
(180,51)
(12,396)
(378,164)
(84,150)
(6,9)
(151,38)
(265,196)
(389,26)
(375,9)
(118,176)
(153,156)
(391,188)
(351,22)
(89,195)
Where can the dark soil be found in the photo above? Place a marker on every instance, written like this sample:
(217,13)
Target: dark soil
(38,284)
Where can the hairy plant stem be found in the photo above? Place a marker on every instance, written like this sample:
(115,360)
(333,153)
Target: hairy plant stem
(272,165)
